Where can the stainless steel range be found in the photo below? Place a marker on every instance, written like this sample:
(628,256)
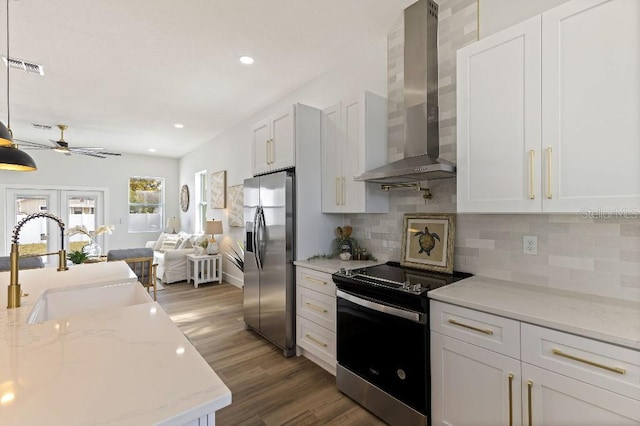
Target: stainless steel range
(383,339)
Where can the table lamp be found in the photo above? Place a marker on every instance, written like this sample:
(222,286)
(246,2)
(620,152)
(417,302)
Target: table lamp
(213,227)
(173,223)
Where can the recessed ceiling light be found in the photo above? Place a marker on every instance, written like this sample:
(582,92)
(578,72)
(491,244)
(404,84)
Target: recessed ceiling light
(152,150)
(247,60)
(178,126)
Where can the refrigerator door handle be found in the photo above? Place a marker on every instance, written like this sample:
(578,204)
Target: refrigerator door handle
(256,247)
(261,231)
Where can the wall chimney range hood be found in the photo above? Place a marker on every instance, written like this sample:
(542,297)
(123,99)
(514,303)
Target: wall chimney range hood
(422,146)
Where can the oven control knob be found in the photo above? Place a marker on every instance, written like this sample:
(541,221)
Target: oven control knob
(406,285)
(417,288)
(342,271)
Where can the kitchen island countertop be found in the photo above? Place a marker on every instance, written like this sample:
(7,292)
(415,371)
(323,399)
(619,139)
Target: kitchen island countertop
(610,320)
(126,366)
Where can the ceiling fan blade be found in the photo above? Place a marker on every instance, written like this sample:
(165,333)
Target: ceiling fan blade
(31,144)
(84,151)
(56,144)
(89,148)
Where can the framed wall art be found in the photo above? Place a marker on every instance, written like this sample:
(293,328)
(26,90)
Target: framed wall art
(236,205)
(218,190)
(428,240)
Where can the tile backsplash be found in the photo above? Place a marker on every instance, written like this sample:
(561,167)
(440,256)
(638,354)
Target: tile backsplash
(588,255)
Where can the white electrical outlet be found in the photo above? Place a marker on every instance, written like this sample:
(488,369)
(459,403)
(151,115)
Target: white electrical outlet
(530,244)
(367,233)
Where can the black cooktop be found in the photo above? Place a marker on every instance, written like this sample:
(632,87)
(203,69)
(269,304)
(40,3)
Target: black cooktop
(392,283)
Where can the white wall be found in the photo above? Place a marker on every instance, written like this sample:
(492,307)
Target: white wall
(231,150)
(55,171)
(496,15)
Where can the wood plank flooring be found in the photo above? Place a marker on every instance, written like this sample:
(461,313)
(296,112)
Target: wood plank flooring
(266,388)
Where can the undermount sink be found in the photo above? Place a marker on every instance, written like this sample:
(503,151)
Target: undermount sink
(73,301)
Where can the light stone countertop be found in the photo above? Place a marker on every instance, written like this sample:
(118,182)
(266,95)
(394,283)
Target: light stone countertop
(330,266)
(609,320)
(124,366)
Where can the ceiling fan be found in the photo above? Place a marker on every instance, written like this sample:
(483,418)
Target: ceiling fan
(63,147)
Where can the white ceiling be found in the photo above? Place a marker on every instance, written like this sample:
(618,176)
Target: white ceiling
(120,73)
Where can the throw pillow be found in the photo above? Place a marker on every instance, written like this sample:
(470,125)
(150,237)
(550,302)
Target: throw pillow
(159,241)
(170,242)
(186,242)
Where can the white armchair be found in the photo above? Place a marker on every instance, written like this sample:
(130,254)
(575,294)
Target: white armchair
(172,263)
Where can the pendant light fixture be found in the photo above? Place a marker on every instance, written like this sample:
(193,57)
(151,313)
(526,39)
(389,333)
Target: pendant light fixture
(11,158)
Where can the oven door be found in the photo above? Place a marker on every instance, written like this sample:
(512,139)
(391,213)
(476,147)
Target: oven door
(385,345)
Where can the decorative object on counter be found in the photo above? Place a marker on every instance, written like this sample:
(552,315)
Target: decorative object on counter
(427,241)
(236,205)
(212,228)
(237,258)
(77,257)
(344,243)
(173,223)
(184,198)
(92,248)
(218,190)
(345,255)
(333,256)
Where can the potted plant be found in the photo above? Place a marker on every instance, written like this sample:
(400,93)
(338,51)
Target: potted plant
(77,256)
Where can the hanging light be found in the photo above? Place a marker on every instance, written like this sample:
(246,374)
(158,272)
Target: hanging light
(11,158)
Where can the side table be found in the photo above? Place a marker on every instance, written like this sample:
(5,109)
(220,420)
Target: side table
(204,268)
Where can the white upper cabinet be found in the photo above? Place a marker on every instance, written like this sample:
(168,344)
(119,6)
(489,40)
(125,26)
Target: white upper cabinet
(354,140)
(274,143)
(499,122)
(548,112)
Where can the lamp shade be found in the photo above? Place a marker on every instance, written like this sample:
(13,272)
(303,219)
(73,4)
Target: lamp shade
(6,139)
(11,158)
(173,223)
(214,227)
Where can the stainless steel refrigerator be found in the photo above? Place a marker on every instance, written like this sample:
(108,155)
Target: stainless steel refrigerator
(269,299)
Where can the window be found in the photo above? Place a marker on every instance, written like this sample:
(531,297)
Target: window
(201,201)
(146,204)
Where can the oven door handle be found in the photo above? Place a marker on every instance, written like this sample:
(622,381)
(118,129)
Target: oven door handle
(396,312)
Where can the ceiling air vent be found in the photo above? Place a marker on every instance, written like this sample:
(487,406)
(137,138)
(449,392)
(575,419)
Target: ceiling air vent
(41,126)
(27,67)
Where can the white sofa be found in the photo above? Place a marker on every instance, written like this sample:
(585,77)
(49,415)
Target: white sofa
(170,254)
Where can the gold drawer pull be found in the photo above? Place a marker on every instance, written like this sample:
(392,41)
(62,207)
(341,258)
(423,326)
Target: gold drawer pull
(532,164)
(470,327)
(310,337)
(317,308)
(315,280)
(586,361)
(549,193)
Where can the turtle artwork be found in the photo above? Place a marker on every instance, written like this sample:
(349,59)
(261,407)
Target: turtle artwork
(427,240)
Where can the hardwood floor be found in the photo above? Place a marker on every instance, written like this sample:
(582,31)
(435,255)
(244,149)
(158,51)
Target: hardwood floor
(266,388)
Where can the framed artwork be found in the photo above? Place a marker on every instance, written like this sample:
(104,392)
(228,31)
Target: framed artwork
(184,198)
(236,205)
(428,240)
(218,190)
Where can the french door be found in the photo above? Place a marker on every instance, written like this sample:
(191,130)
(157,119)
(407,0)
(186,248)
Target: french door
(41,235)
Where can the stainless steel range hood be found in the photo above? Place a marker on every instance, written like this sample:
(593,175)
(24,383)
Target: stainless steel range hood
(422,146)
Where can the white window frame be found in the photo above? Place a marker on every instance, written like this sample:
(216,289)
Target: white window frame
(161,205)
(201,200)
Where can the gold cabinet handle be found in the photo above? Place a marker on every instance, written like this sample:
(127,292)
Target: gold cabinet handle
(344,191)
(313,339)
(315,280)
(529,392)
(510,399)
(532,164)
(268,151)
(586,361)
(315,307)
(549,152)
(337,191)
(273,151)
(470,327)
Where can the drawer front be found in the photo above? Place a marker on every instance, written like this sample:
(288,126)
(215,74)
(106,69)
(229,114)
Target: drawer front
(317,340)
(317,307)
(488,331)
(602,364)
(315,280)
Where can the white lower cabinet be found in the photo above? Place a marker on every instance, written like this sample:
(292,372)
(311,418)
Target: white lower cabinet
(471,385)
(556,379)
(316,317)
